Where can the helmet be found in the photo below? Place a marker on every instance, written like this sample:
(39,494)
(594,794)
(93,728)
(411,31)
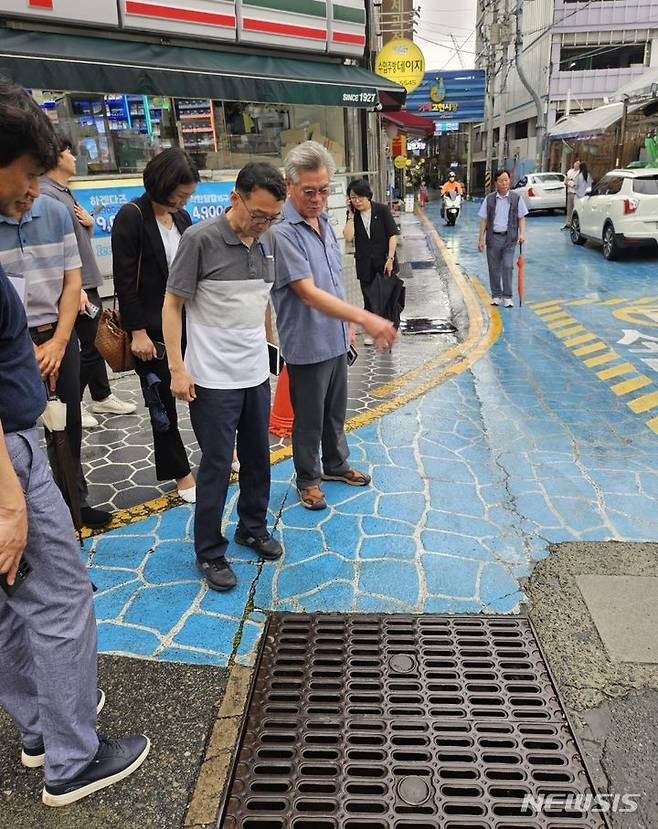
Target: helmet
(451,174)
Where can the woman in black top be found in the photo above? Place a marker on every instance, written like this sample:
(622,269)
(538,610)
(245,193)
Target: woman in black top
(371,226)
(145,237)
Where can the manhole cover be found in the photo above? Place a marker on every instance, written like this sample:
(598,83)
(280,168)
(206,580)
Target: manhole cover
(405,722)
(420,264)
(422,325)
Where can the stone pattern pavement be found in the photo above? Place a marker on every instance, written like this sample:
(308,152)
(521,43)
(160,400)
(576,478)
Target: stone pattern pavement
(118,456)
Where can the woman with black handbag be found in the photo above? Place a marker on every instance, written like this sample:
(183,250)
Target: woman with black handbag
(145,238)
(372,228)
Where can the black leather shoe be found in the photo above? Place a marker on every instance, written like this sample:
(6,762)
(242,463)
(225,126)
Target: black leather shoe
(218,573)
(114,761)
(95,518)
(266,545)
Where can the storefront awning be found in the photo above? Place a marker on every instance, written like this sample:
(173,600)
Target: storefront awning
(41,60)
(646,86)
(589,124)
(415,125)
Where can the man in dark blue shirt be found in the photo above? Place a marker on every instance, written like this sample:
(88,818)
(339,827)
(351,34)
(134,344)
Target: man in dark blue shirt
(47,623)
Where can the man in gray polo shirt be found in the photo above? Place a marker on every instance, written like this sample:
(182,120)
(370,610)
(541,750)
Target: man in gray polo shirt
(312,318)
(93,371)
(223,275)
(39,251)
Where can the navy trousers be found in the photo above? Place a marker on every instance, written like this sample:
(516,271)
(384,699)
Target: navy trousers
(217,415)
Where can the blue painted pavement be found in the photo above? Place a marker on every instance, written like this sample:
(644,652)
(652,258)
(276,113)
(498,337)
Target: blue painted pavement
(471,482)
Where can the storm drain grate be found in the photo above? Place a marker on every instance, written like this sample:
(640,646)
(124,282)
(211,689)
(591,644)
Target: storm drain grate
(405,722)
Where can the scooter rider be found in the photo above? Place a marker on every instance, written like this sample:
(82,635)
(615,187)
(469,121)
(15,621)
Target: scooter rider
(452,184)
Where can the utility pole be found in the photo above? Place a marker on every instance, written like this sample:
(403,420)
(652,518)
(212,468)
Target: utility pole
(524,80)
(491,57)
(564,162)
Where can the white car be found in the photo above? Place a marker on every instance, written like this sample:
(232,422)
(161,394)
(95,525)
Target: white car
(543,191)
(621,211)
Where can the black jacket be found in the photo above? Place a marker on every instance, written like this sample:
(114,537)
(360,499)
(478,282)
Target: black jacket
(371,252)
(141,307)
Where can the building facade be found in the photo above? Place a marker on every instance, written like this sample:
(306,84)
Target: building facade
(574,53)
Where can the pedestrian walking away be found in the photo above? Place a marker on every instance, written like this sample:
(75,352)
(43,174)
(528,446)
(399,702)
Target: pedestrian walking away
(502,226)
(38,250)
(145,237)
(48,653)
(372,228)
(93,371)
(570,181)
(423,193)
(222,275)
(312,320)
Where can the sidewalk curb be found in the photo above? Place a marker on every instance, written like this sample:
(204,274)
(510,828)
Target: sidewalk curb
(204,804)
(484,328)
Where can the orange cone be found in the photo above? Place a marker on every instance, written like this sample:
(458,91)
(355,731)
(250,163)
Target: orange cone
(282,415)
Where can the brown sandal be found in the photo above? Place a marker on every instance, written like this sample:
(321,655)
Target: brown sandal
(353,477)
(312,497)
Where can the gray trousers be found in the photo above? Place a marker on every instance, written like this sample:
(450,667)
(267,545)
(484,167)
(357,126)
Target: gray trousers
(500,260)
(318,393)
(47,627)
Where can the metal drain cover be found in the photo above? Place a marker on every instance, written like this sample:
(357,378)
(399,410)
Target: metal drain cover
(423,325)
(405,722)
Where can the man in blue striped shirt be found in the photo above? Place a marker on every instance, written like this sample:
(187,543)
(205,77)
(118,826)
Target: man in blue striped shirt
(39,253)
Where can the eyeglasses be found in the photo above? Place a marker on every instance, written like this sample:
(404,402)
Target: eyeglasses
(310,193)
(260,218)
(354,197)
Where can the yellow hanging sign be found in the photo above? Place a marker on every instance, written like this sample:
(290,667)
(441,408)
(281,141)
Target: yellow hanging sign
(400,162)
(403,62)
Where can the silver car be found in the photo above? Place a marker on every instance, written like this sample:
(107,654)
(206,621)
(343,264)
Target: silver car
(542,191)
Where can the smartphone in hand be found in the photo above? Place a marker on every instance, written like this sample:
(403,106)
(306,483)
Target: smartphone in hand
(276,360)
(22,573)
(352,355)
(92,310)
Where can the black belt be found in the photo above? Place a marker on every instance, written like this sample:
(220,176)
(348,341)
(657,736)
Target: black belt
(40,329)
(500,233)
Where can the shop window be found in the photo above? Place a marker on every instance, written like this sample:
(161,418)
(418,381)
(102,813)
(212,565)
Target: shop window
(581,58)
(117,134)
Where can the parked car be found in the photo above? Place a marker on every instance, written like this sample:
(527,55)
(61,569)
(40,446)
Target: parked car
(543,191)
(621,211)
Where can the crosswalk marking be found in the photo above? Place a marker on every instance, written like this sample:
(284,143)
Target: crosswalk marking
(583,338)
(615,371)
(602,358)
(557,316)
(567,332)
(653,424)
(627,386)
(644,403)
(590,349)
(560,323)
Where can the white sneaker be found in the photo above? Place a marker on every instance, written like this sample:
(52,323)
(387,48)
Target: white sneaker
(495,301)
(112,405)
(508,303)
(367,340)
(188,495)
(88,420)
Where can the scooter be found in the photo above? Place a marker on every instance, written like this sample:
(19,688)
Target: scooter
(452,205)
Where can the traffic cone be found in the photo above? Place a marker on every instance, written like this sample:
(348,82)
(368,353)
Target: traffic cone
(282,415)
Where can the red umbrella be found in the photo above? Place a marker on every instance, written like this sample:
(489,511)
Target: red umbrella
(521,266)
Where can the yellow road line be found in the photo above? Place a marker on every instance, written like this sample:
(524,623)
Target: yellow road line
(627,386)
(615,371)
(653,424)
(602,358)
(561,323)
(545,303)
(617,301)
(590,349)
(567,332)
(644,403)
(583,338)
(586,301)
(480,339)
